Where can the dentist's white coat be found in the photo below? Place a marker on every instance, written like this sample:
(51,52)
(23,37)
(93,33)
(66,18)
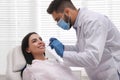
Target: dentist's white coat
(97,48)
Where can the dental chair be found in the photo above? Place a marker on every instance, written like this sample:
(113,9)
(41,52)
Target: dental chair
(15,63)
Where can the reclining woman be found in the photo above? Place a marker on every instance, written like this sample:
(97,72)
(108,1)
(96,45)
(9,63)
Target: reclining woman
(38,66)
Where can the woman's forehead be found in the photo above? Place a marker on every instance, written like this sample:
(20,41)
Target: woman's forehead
(34,36)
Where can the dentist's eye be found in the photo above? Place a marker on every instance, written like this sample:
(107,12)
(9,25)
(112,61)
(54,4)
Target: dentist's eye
(57,19)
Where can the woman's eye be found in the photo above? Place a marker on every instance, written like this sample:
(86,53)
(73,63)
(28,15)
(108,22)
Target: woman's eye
(33,41)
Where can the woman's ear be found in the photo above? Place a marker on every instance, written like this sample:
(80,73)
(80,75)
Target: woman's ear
(27,50)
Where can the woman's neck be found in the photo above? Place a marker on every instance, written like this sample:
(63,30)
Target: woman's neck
(40,57)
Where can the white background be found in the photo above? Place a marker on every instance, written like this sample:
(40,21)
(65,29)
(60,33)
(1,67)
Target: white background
(19,17)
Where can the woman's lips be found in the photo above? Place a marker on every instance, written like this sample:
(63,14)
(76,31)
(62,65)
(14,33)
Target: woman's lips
(41,47)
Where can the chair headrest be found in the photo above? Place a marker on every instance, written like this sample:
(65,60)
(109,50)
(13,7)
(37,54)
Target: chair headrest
(18,59)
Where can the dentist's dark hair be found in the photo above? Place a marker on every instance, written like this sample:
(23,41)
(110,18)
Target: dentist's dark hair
(60,5)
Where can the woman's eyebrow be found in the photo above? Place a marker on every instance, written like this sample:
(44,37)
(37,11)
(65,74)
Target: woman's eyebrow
(36,39)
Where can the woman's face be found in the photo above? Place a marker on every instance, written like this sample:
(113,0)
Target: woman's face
(36,45)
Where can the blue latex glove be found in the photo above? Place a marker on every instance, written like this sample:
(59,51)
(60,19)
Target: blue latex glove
(57,45)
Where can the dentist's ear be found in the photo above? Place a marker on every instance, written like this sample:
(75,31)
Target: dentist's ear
(67,11)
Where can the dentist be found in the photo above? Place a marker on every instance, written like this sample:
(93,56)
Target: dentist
(98,41)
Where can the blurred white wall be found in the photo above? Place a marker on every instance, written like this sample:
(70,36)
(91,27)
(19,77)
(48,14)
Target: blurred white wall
(19,17)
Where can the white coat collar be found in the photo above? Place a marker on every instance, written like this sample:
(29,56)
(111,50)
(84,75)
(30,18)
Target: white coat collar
(79,18)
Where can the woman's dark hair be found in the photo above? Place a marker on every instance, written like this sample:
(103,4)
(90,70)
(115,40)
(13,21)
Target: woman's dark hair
(60,5)
(24,46)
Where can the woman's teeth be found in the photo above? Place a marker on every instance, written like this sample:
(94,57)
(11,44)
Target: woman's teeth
(41,47)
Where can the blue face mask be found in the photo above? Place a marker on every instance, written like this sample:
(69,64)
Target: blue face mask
(64,25)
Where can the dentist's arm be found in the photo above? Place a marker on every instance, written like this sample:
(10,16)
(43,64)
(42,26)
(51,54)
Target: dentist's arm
(95,39)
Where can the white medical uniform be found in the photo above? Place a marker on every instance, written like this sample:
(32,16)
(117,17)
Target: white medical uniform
(97,48)
(47,70)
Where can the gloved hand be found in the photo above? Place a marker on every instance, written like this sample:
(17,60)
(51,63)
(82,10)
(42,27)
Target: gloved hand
(57,45)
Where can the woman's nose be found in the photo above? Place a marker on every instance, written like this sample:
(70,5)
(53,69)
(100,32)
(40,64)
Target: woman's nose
(40,42)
